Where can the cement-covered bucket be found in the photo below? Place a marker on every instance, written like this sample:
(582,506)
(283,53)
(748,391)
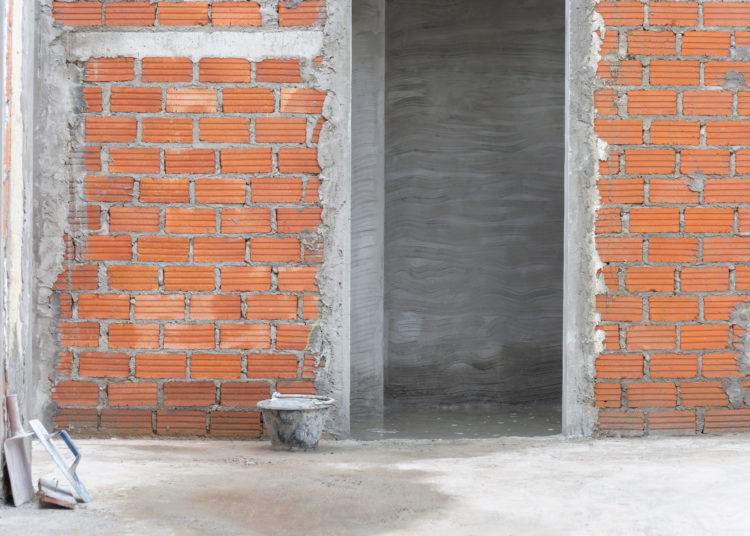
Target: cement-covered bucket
(295,422)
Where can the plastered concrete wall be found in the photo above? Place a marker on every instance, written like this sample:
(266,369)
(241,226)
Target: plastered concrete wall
(474,200)
(201,235)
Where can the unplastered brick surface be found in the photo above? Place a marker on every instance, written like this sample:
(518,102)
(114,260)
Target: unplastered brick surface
(672,230)
(188,291)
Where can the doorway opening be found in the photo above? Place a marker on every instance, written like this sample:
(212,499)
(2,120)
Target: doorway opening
(457,240)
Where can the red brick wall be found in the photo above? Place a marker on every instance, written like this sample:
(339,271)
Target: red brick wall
(189,287)
(674,217)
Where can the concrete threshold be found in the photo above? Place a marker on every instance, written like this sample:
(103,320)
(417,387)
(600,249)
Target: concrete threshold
(524,486)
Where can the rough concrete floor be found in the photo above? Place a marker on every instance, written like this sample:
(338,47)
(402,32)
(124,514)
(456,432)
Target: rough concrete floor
(505,486)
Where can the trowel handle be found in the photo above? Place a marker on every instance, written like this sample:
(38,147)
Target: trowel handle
(14,417)
(73,449)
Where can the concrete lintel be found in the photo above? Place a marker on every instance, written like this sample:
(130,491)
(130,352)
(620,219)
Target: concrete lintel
(252,46)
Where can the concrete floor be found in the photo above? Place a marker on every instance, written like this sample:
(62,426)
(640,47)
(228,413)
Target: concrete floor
(530,486)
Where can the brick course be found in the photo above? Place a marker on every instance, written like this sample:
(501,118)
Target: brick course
(670,230)
(189,291)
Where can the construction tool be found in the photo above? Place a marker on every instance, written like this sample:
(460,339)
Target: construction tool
(51,492)
(69,471)
(18,455)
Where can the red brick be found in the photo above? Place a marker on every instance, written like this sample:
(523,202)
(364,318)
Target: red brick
(704,337)
(109,189)
(110,69)
(317,130)
(75,393)
(704,279)
(663,366)
(216,366)
(671,422)
(675,133)
(246,220)
(64,365)
(191,100)
(215,308)
(655,220)
(742,276)
(302,101)
(610,275)
(621,13)
(276,190)
(296,388)
(126,421)
(243,394)
(673,13)
(77,13)
(189,278)
(167,70)
(235,424)
(180,422)
(709,220)
(626,249)
(134,336)
(272,366)
(164,190)
(610,166)
(651,337)
(728,132)
(605,101)
(610,43)
(611,335)
(255,160)
(734,249)
(707,103)
(297,220)
(726,14)
(183,13)
(292,337)
(619,366)
(167,130)
(190,220)
(743,162)
(650,161)
(160,365)
(271,307)
(723,421)
(608,395)
(706,43)
(720,366)
(717,73)
(223,70)
(662,249)
(125,160)
(623,73)
(672,191)
(220,191)
(721,307)
(297,279)
(218,249)
(134,219)
(133,277)
(132,394)
(104,306)
(235,14)
(82,277)
(645,42)
(269,249)
(245,336)
(189,394)
(620,308)
(246,278)
(162,248)
(619,131)
(675,73)
(743,103)
(652,395)
(108,248)
(650,279)
(189,336)
(225,129)
(278,71)
(93,98)
(701,394)
(280,130)
(190,161)
(651,102)
(130,14)
(110,129)
(159,307)
(306,13)
(673,308)
(248,100)
(77,420)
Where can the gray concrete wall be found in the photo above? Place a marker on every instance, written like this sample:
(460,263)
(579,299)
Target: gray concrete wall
(368,191)
(474,200)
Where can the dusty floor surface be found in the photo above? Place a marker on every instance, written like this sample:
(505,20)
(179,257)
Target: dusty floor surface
(508,486)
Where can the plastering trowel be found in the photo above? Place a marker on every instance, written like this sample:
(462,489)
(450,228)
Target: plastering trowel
(18,455)
(68,470)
